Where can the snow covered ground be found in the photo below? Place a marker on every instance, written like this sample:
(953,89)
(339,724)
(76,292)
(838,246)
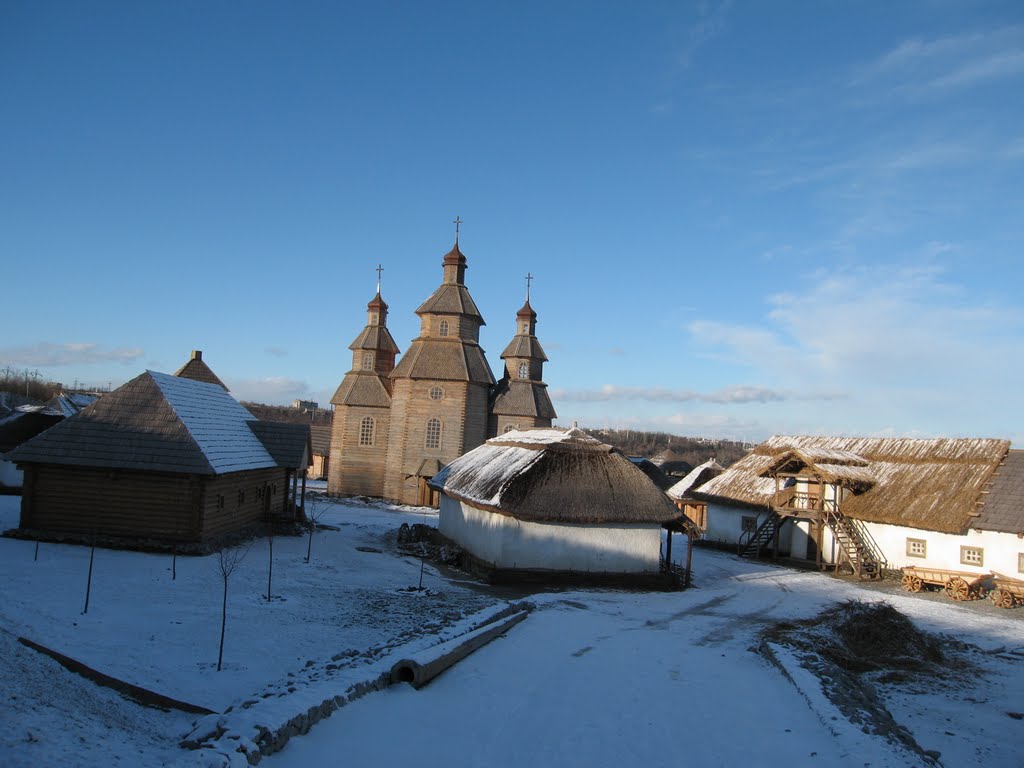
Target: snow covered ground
(592,677)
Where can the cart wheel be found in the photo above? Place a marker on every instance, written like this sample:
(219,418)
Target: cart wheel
(957,589)
(912,583)
(1003,598)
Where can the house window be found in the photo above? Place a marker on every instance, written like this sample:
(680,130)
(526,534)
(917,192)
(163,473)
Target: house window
(524,370)
(972,556)
(241,498)
(511,427)
(366,428)
(433,433)
(1020,563)
(748,524)
(220,501)
(367,361)
(917,548)
(436,393)
(443,328)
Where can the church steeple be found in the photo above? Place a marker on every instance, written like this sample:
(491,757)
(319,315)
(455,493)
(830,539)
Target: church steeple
(374,349)
(520,399)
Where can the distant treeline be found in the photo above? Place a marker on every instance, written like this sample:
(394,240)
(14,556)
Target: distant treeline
(290,415)
(26,386)
(675,449)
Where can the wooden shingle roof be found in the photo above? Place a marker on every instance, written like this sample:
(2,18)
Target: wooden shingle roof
(451,299)
(1003,507)
(375,337)
(288,444)
(362,388)
(445,359)
(155,422)
(321,439)
(555,475)
(523,345)
(927,484)
(518,397)
(197,370)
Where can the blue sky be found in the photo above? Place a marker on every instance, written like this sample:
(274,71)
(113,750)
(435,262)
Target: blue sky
(744,217)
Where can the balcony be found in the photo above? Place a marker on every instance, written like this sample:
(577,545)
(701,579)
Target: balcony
(789,502)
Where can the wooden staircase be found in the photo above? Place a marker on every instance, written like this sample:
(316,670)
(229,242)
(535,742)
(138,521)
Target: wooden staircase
(762,537)
(864,559)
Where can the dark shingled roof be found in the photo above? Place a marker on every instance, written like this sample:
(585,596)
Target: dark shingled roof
(451,299)
(197,370)
(447,359)
(362,388)
(20,426)
(1003,508)
(288,444)
(376,337)
(518,397)
(558,476)
(524,346)
(932,485)
(320,437)
(155,422)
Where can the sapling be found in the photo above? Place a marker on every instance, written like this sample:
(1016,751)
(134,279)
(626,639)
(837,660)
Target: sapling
(228,560)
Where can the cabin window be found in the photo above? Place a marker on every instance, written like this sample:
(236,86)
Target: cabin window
(524,370)
(1020,563)
(433,433)
(917,548)
(511,427)
(220,501)
(436,393)
(972,556)
(367,361)
(241,498)
(443,328)
(748,524)
(366,430)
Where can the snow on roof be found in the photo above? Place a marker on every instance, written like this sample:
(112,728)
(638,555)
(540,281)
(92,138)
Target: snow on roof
(216,421)
(696,476)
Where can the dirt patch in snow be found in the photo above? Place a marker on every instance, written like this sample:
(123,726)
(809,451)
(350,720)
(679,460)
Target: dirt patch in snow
(857,649)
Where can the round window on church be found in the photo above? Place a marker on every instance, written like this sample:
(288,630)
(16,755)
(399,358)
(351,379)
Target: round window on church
(436,393)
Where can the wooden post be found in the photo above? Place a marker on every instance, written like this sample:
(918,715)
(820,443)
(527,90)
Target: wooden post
(295,491)
(304,473)
(689,559)
(668,550)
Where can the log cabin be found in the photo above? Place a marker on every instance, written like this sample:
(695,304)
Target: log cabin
(163,460)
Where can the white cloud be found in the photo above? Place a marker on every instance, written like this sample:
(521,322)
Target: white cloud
(46,354)
(728,396)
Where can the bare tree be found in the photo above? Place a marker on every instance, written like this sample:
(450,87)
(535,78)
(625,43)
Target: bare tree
(316,508)
(228,560)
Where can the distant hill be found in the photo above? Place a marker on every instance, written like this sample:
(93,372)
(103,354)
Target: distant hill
(675,454)
(289,415)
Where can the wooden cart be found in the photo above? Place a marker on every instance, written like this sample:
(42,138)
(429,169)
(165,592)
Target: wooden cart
(959,585)
(1007,592)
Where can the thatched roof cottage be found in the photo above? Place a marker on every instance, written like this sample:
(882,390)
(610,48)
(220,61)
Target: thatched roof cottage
(163,459)
(873,502)
(553,504)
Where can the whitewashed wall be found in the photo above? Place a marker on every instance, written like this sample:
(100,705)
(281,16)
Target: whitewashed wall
(510,543)
(1001,550)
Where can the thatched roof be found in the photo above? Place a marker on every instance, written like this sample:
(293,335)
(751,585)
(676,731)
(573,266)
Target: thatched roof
(695,479)
(155,422)
(927,484)
(197,370)
(555,476)
(1003,507)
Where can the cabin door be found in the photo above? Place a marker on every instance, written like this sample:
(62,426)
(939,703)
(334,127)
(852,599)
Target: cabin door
(428,497)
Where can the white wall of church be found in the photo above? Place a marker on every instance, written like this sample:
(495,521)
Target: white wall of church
(510,543)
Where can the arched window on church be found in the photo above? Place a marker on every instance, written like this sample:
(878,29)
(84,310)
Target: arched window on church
(526,327)
(366,430)
(443,328)
(367,361)
(524,370)
(433,433)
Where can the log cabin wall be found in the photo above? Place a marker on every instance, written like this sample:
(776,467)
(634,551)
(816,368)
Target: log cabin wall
(131,504)
(357,469)
(238,500)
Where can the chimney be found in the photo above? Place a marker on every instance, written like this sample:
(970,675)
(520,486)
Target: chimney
(197,354)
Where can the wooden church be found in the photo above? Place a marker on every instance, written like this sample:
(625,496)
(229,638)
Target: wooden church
(397,425)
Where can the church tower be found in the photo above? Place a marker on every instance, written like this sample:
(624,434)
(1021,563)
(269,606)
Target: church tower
(362,409)
(520,400)
(440,389)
